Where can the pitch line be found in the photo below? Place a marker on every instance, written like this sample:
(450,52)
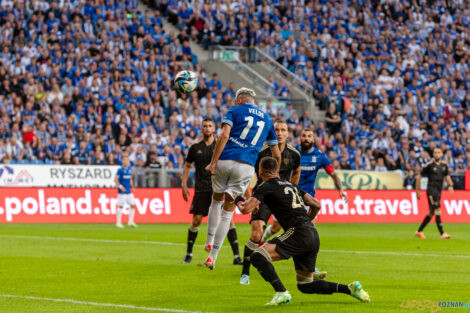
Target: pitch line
(112,305)
(199,245)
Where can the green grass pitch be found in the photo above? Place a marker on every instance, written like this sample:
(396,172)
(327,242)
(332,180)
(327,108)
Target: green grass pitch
(137,267)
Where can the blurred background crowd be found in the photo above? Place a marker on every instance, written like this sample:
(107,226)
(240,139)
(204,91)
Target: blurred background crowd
(82,82)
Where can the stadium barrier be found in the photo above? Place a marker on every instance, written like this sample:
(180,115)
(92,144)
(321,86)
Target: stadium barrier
(166,205)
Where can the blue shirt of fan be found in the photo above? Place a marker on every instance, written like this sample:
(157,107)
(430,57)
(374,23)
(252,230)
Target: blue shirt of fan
(310,162)
(124,175)
(251,127)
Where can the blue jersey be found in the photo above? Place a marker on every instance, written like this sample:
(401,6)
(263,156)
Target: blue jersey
(251,127)
(124,175)
(310,162)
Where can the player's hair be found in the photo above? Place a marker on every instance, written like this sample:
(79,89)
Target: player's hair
(306,130)
(268,165)
(245,92)
(208,119)
(125,155)
(280,121)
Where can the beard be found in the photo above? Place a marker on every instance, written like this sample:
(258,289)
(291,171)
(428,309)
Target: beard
(305,145)
(207,136)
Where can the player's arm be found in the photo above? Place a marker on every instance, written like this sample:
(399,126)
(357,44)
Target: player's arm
(295,177)
(132,184)
(450,182)
(118,184)
(314,205)
(338,184)
(249,205)
(184,182)
(276,153)
(219,147)
(418,186)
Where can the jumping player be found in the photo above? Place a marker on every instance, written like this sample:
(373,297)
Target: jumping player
(289,170)
(200,154)
(436,171)
(299,241)
(245,129)
(125,184)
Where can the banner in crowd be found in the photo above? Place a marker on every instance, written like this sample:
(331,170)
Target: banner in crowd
(361,180)
(98,205)
(57,176)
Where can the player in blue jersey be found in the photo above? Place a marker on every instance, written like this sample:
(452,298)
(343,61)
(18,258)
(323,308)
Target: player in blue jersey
(245,130)
(311,161)
(124,184)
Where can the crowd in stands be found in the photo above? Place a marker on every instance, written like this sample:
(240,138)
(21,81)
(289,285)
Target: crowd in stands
(82,82)
(393,75)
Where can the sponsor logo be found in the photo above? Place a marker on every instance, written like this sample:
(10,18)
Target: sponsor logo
(11,177)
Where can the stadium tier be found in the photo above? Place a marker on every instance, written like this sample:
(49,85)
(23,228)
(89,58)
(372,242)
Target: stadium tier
(85,81)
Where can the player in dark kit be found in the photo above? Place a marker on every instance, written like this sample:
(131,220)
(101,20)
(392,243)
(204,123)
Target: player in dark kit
(299,241)
(436,171)
(290,170)
(200,154)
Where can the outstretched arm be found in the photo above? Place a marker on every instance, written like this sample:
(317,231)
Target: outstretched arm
(219,147)
(339,186)
(314,205)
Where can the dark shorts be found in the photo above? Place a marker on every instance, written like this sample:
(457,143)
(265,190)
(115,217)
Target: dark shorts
(302,244)
(201,203)
(434,199)
(263,214)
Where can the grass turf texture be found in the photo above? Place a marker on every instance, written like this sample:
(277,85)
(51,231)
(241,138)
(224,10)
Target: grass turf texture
(151,275)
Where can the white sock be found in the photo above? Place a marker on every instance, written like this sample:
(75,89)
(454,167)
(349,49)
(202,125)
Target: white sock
(267,234)
(221,233)
(213,220)
(119,214)
(131,216)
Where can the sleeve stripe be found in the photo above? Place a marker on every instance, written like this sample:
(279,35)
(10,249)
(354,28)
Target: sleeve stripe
(228,122)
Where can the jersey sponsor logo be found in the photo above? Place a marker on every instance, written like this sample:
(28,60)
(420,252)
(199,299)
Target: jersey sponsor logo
(308,168)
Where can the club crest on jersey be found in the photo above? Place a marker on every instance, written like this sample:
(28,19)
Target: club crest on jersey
(286,161)
(314,159)
(199,151)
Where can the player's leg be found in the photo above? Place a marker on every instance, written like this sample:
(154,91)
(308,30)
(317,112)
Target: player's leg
(262,260)
(427,219)
(437,213)
(121,204)
(233,240)
(222,230)
(251,245)
(305,265)
(192,235)
(237,178)
(219,185)
(131,203)
(272,229)
(213,218)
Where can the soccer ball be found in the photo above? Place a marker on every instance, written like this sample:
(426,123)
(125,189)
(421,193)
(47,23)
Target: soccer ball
(185,81)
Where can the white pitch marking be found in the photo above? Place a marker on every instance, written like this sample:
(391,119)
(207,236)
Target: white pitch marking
(124,306)
(183,244)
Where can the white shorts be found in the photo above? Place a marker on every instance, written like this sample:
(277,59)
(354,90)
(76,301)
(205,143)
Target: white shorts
(232,177)
(125,199)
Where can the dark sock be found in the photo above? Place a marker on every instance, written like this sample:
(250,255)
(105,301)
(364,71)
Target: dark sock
(233,239)
(439,224)
(250,247)
(424,223)
(191,239)
(323,287)
(267,271)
